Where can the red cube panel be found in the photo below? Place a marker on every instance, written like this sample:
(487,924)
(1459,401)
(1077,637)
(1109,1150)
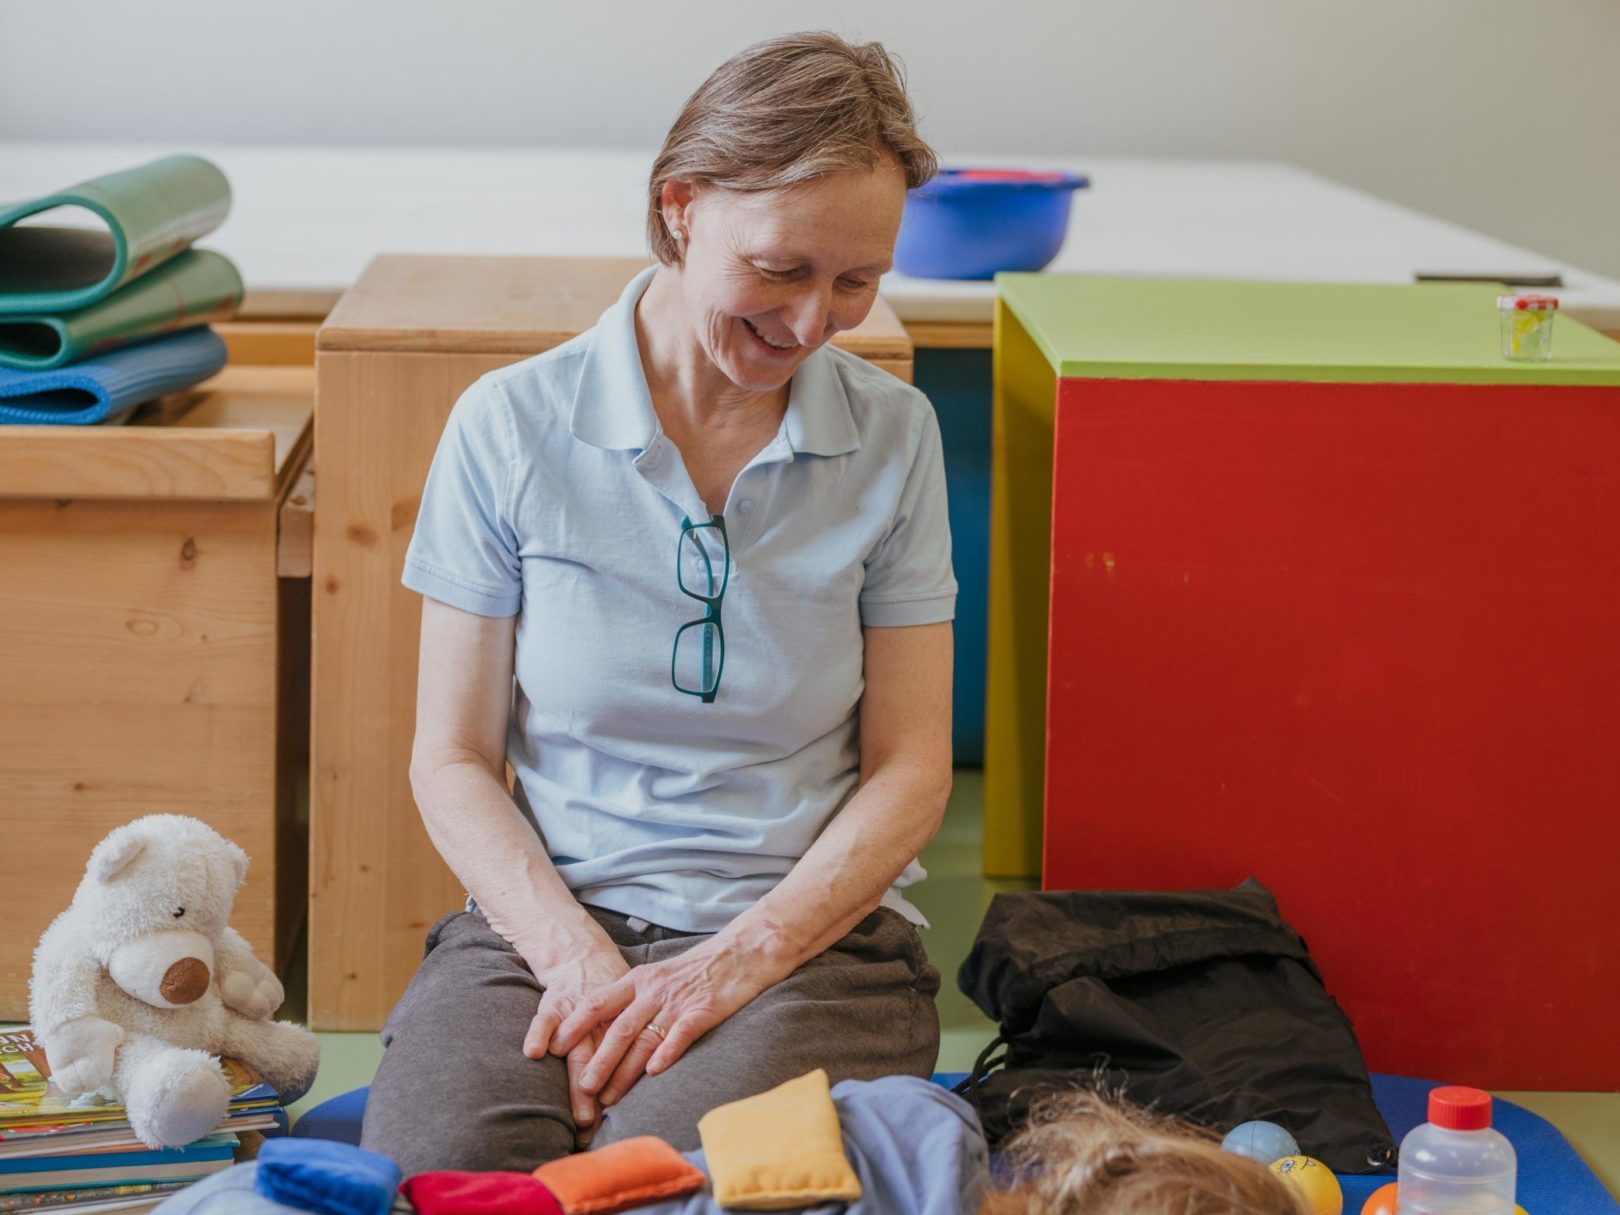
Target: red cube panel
(1361,641)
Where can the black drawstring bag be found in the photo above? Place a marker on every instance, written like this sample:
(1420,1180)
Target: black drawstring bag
(1200,1003)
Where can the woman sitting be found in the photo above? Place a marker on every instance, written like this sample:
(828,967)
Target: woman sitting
(689,574)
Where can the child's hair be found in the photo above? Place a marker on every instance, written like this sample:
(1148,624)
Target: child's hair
(1085,1154)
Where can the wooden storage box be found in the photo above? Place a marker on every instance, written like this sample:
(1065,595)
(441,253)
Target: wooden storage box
(151,658)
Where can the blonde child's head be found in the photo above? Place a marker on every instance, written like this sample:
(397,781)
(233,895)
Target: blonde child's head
(1083,1154)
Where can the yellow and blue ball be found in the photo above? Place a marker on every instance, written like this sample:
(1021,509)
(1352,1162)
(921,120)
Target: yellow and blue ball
(1315,1180)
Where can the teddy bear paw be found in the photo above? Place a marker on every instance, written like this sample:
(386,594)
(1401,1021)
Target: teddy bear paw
(188,1103)
(254,994)
(80,1054)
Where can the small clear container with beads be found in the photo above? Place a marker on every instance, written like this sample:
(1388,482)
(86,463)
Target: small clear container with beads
(1527,323)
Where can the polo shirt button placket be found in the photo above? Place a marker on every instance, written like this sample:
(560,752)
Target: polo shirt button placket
(743,531)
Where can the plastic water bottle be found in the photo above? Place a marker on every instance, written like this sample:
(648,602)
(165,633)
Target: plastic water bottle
(1455,1164)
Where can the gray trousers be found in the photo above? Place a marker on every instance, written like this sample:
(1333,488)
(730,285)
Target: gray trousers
(455,1091)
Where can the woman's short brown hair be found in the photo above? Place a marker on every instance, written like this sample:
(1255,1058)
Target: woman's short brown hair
(786,111)
(1082,1154)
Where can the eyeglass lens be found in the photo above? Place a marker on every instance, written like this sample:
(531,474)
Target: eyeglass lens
(702,565)
(700,649)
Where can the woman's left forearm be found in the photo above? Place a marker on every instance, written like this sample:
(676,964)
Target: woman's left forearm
(848,870)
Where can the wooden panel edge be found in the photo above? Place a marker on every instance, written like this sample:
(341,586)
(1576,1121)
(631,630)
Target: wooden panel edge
(295,521)
(338,340)
(951,335)
(137,462)
(272,343)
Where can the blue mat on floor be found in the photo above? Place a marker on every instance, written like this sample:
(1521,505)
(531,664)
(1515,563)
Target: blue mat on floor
(105,386)
(1553,1180)
(338,1118)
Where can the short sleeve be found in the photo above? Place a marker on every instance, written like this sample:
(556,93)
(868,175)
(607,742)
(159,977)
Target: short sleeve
(464,551)
(908,574)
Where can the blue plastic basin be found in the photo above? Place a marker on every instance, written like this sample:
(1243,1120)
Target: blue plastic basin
(971,223)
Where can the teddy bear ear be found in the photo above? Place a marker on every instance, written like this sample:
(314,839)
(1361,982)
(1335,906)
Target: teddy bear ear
(239,862)
(115,854)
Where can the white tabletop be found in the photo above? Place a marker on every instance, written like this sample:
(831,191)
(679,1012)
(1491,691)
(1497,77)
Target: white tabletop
(309,218)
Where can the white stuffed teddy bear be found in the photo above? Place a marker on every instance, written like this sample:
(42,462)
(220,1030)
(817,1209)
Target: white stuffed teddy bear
(140,985)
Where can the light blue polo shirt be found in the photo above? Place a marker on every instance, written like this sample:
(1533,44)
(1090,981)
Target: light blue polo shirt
(555,496)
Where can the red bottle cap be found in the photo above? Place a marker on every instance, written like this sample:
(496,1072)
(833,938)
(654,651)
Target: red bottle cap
(1460,1109)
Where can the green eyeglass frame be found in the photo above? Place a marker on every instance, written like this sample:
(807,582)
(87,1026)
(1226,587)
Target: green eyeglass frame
(692,541)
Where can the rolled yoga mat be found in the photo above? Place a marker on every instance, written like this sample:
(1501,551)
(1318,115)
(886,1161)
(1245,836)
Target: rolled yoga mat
(152,213)
(197,288)
(104,388)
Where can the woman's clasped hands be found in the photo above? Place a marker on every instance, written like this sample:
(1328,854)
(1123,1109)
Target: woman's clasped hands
(614,1028)
(567,984)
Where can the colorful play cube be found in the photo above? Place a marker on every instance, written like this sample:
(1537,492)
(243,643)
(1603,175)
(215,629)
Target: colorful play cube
(1308,582)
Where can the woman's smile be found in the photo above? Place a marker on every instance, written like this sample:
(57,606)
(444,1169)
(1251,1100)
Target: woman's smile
(772,349)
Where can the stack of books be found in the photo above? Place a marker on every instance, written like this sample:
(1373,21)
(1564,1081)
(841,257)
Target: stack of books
(78,1154)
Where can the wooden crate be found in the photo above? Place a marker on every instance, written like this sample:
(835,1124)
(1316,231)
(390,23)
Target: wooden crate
(391,360)
(142,623)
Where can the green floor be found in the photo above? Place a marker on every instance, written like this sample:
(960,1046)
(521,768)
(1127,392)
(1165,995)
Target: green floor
(954,898)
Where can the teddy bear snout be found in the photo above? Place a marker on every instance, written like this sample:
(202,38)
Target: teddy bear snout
(168,969)
(184,982)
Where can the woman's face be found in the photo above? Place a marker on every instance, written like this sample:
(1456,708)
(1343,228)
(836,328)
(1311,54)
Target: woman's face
(769,276)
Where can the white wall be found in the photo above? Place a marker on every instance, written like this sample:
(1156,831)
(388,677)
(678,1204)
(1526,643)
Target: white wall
(1500,114)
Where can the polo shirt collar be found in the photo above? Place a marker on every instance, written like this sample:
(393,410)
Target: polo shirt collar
(819,420)
(613,408)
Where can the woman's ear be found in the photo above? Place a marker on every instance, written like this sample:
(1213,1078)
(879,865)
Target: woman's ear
(675,202)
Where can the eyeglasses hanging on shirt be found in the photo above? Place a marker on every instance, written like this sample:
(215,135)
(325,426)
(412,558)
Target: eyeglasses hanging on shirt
(702,568)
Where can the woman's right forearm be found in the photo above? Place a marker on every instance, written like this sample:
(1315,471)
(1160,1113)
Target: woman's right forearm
(496,854)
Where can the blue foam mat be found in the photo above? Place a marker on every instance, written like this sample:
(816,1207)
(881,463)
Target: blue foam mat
(1553,1180)
(337,1118)
(103,387)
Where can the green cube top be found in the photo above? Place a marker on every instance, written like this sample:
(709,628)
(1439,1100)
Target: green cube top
(1211,329)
